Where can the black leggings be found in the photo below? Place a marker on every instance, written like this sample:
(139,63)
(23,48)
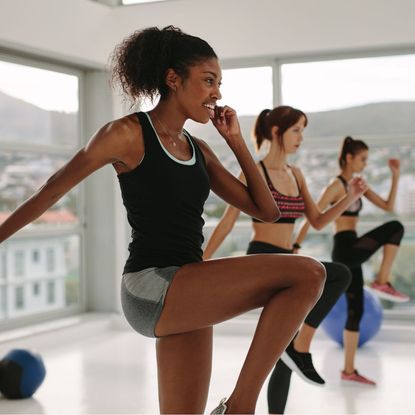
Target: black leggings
(353,252)
(338,278)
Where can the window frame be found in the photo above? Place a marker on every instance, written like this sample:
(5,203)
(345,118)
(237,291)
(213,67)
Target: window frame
(66,152)
(276,64)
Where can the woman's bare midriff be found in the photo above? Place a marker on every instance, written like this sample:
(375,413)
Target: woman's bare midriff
(278,234)
(346,223)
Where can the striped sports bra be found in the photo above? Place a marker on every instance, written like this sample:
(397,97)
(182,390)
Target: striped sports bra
(355,207)
(291,207)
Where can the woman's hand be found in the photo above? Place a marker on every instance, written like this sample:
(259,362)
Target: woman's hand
(394,165)
(357,186)
(226,122)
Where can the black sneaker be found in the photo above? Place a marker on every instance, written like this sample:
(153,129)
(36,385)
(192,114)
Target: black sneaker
(302,364)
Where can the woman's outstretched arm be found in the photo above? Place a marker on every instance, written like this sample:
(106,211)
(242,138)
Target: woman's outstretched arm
(318,215)
(317,218)
(108,145)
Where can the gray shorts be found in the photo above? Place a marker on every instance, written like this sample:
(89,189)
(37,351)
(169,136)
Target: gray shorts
(142,297)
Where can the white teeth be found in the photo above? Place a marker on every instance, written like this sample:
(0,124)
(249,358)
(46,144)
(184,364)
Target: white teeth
(210,106)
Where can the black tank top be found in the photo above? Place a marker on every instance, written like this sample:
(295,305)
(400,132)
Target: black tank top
(164,198)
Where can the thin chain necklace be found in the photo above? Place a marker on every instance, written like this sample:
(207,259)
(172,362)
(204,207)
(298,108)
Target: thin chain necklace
(164,129)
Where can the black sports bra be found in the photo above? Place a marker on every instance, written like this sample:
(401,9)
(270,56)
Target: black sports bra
(355,207)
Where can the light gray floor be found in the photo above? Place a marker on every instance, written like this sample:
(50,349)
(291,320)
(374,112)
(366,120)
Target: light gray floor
(102,367)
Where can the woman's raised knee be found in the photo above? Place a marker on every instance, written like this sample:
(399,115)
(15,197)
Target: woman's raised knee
(396,230)
(317,274)
(314,275)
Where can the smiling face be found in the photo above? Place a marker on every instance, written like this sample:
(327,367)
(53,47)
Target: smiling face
(198,93)
(357,162)
(293,136)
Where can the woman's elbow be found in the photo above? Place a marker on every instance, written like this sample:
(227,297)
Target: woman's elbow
(317,224)
(271,216)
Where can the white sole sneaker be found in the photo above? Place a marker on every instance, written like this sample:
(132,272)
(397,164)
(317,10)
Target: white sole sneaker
(385,296)
(285,357)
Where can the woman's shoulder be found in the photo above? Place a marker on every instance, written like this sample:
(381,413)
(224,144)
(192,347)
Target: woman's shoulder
(121,138)
(337,182)
(124,131)
(297,172)
(335,188)
(123,126)
(295,169)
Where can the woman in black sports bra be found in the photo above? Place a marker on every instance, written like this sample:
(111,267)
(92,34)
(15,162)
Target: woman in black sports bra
(353,251)
(282,128)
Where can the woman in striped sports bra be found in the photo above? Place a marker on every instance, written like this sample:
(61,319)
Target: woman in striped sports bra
(282,128)
(353,251)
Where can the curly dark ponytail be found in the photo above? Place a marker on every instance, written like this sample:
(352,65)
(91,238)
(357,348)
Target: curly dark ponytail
(140,62)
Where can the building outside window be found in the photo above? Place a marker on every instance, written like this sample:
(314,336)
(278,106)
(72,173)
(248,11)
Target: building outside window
(51,292)
(50,260)
(19,297)
(36,289)
(39,133)
(19,263)
(35,256)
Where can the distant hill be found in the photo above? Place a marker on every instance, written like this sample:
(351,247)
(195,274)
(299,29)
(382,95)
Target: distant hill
(24,122)
(372,119)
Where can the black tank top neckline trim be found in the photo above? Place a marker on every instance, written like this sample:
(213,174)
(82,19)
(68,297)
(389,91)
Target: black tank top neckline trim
(189,162)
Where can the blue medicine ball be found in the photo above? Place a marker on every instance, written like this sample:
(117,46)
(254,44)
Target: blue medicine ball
(370,324)
(21,373)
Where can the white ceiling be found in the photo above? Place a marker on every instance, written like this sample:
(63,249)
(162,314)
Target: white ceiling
(116,3)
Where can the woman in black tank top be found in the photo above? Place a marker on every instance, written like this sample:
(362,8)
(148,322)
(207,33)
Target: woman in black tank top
(165,175)
(353,251)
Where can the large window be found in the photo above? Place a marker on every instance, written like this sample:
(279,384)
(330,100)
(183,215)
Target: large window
(370,98)
(39,132)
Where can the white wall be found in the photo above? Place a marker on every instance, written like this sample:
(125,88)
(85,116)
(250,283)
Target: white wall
(77,31)
(83,31)
(247,28)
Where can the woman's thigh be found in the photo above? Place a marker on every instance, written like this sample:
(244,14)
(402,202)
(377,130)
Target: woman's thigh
(206,293)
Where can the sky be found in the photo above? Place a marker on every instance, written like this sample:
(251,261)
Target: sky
(52,91)
(328,85)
